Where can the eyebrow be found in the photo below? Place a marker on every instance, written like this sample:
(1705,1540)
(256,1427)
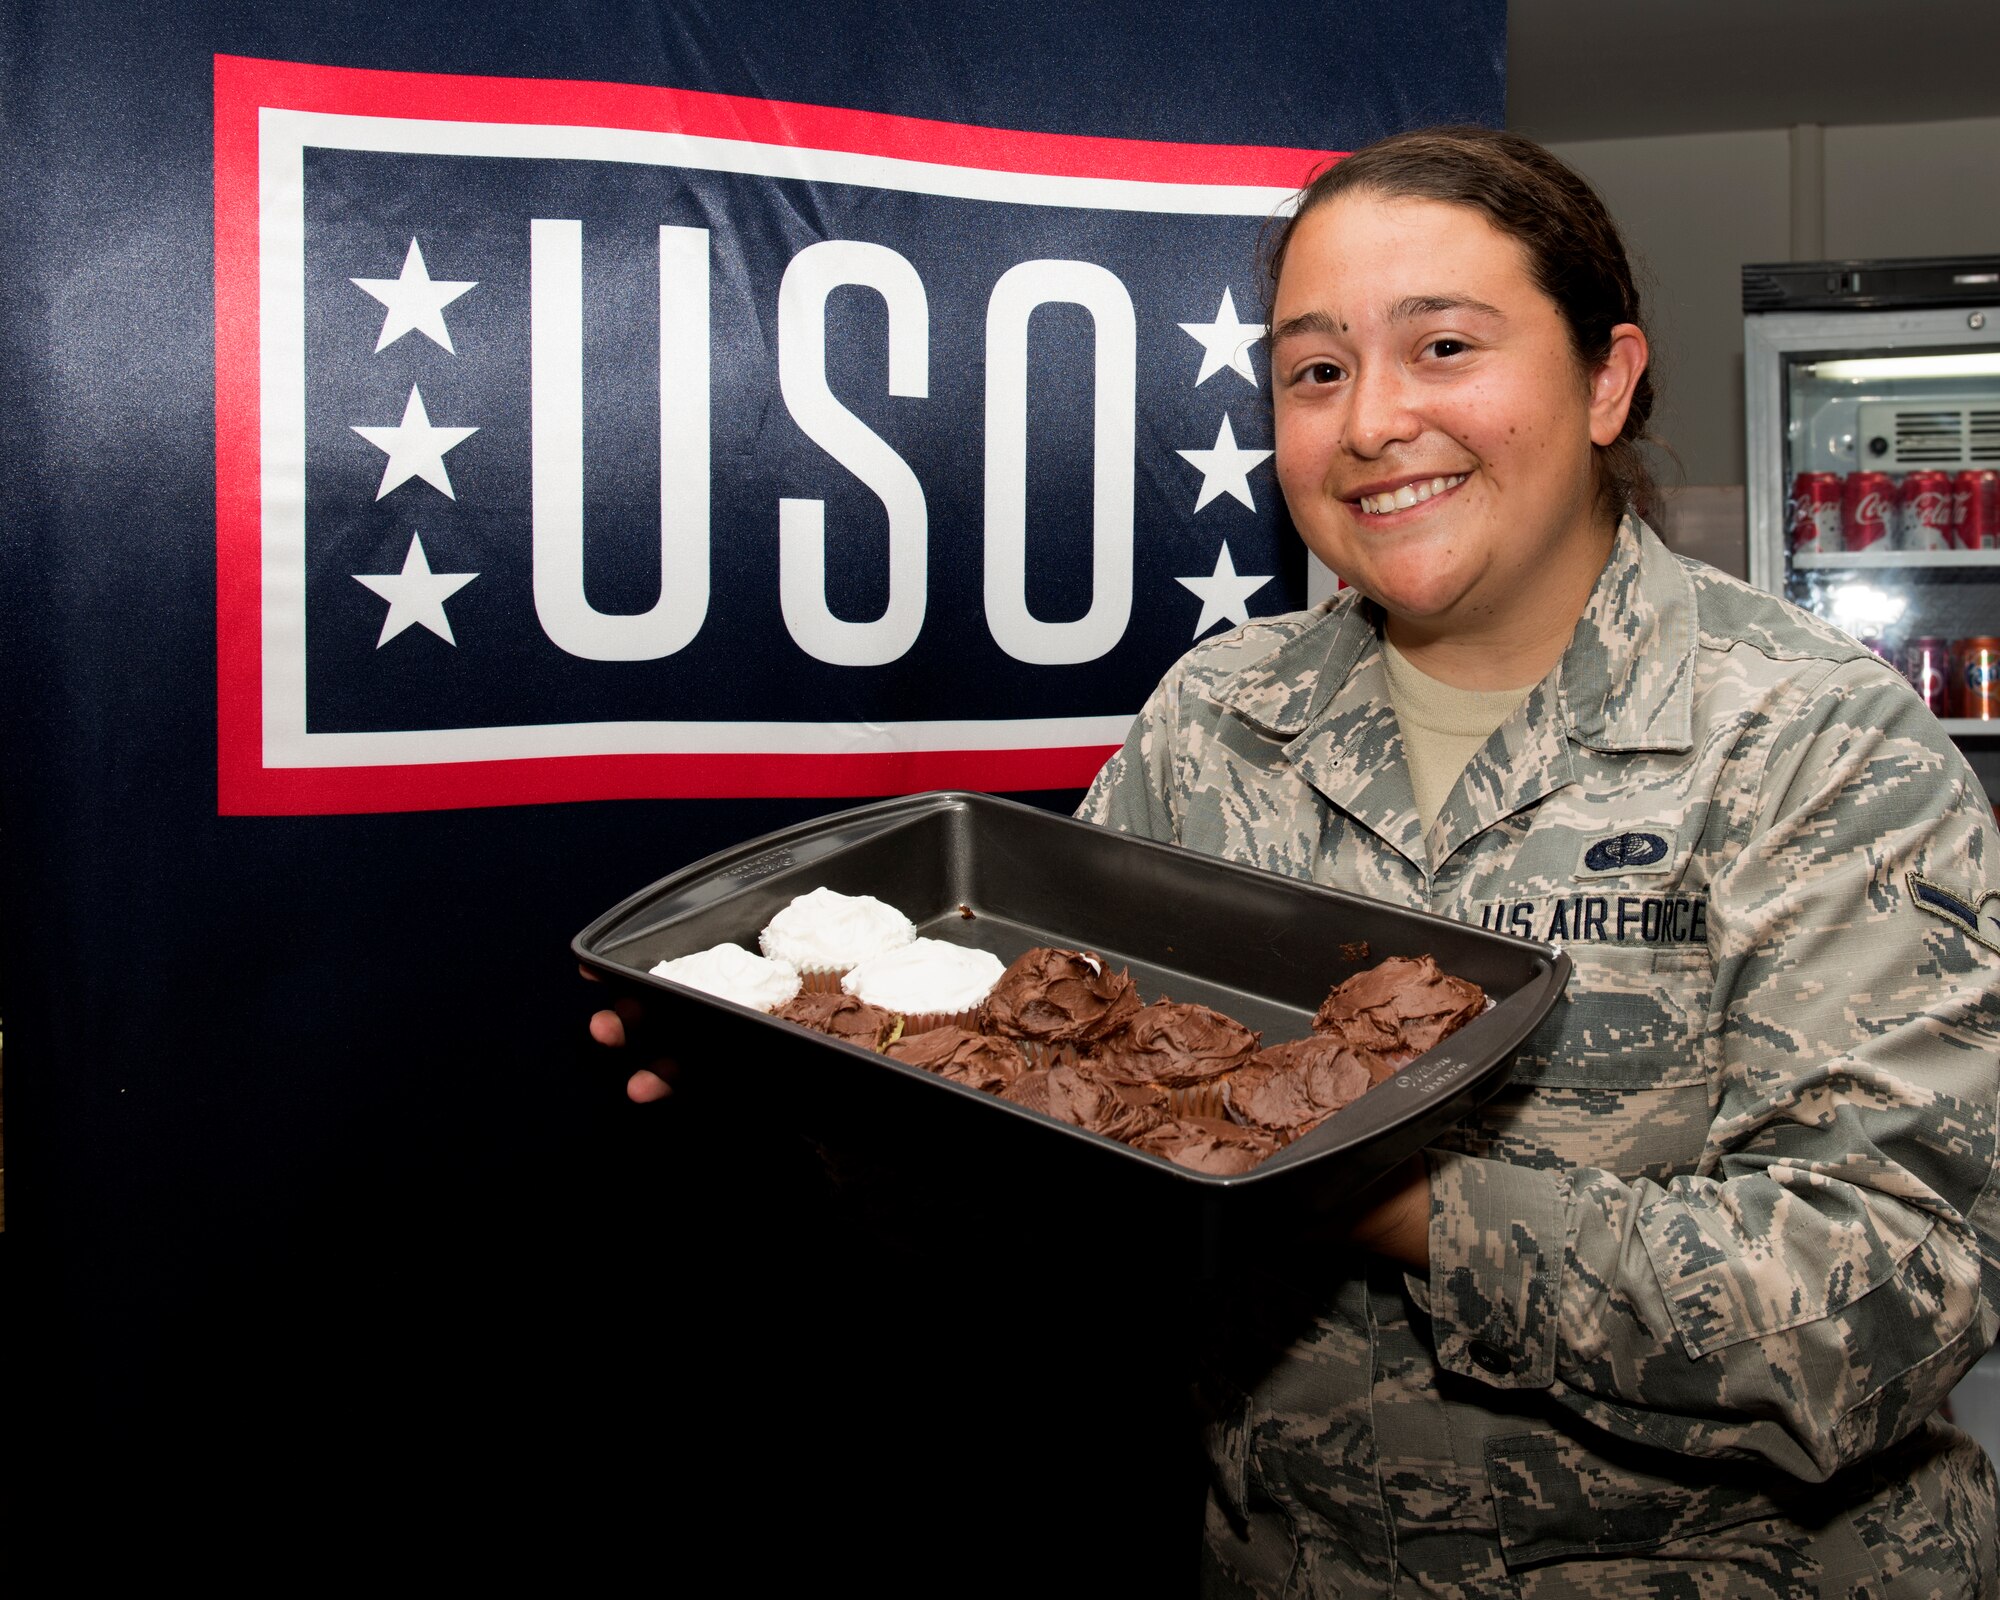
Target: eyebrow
(1429,305)
(1320,322)
(1404,310)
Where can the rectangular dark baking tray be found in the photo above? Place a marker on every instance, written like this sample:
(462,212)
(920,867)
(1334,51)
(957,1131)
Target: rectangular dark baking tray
(1004,877)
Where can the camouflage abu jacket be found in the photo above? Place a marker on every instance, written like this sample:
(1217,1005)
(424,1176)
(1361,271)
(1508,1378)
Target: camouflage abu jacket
(1703,1272)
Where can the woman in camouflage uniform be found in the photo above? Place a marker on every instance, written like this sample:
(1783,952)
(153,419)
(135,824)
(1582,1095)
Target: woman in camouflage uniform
(1674,1314)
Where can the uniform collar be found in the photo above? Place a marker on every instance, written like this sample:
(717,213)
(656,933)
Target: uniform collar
(1627,678)
(1626,682)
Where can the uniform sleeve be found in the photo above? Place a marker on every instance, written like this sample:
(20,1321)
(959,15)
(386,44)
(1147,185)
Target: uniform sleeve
(1816,1287)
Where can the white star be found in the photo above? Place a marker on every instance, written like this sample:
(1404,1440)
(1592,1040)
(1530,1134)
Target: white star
(1225,469)
(1224,596)
(416,301)
(1225,342)
(416,449)
(416,595)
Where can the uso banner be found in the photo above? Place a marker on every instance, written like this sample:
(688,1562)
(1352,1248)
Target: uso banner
(579,440)
(463,463)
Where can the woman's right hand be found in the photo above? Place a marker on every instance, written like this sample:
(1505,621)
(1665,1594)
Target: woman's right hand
(608,1028)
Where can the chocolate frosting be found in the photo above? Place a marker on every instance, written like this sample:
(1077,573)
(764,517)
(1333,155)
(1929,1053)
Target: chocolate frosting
(844,1017)
(1397,1010)
(1090,1102)
(1219,1148)
(962,1056)
(1075,1096)
(1059,996)
(1175,1045)
(1292,1088)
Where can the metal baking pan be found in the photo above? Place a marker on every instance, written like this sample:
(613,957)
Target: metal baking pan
(1005,877)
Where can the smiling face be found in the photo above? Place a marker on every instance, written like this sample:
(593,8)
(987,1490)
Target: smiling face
(1435,428)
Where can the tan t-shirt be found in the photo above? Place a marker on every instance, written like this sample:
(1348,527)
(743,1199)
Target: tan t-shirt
(1443,727)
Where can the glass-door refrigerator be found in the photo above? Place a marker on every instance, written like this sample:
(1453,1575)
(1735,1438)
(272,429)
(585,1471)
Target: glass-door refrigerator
(1872,411)
(1872,406)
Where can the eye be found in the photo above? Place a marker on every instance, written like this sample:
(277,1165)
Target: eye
(1320,372)
(1443,349)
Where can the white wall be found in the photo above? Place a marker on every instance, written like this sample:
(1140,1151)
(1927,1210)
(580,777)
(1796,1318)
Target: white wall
(1695,207)
(1914,189)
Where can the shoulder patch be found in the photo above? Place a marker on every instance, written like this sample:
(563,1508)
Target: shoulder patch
(1978,920)
(1628,852)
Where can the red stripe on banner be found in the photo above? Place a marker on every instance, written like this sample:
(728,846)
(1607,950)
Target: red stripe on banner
(239,605)
(556,779)
(644,108)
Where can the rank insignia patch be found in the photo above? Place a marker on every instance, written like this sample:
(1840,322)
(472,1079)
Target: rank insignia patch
(1976,920)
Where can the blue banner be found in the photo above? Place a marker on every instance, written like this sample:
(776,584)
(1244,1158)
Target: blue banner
(461,466)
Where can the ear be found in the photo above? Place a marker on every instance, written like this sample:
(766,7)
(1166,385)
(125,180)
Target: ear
(1616,381)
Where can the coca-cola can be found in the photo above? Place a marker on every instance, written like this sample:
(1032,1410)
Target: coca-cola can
(1976,677)
(1923,511)
(1868,510)
(1927,664)
(1975,509)
(1815,513)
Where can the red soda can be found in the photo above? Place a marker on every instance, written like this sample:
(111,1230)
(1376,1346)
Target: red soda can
(1975,509)
(1923,511)
(1927,664)
(1976,677)
(1868,509)
(1815,512)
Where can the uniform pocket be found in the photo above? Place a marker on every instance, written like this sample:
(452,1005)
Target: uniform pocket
(1553,1499)
(1632,1017)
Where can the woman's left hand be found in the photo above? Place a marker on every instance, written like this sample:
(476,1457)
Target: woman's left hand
(1398,1223)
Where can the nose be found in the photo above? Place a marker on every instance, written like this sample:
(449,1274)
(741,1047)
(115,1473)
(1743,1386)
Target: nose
(1379,412)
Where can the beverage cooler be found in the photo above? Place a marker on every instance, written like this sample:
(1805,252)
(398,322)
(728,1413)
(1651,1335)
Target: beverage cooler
(1872,405)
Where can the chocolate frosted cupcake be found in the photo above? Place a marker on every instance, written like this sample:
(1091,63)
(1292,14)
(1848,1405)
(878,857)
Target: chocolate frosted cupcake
(1397,1010)
(1220,1148)
(1292,1088)
(825,934)
(1050,998)
(1175,1046)
(844,1017)
(930,983)
(962,1056)
(729,972)
(1072,1094)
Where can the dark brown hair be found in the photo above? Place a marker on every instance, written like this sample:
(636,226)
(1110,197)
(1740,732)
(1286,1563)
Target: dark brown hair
(1573,249)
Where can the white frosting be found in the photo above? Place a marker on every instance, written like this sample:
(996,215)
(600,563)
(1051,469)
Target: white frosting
(924,976)
(729,972)
(826,929)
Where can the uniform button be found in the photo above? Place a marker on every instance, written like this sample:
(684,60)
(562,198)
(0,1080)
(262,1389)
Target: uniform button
(1489,1356)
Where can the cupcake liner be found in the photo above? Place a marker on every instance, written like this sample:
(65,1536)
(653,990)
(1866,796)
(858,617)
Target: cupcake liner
(1208,1101)
(1045,1053)
(822,980)
(924,1021)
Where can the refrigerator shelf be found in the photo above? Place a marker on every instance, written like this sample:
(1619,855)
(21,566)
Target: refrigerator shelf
(1805,560)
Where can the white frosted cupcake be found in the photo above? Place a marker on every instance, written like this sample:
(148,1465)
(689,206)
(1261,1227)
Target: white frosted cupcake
(824,934)
(729,972)
(931,983)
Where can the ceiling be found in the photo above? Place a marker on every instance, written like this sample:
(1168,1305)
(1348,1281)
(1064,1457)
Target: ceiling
(1625,69)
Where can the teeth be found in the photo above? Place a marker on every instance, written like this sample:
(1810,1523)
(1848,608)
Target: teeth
(1409,495)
